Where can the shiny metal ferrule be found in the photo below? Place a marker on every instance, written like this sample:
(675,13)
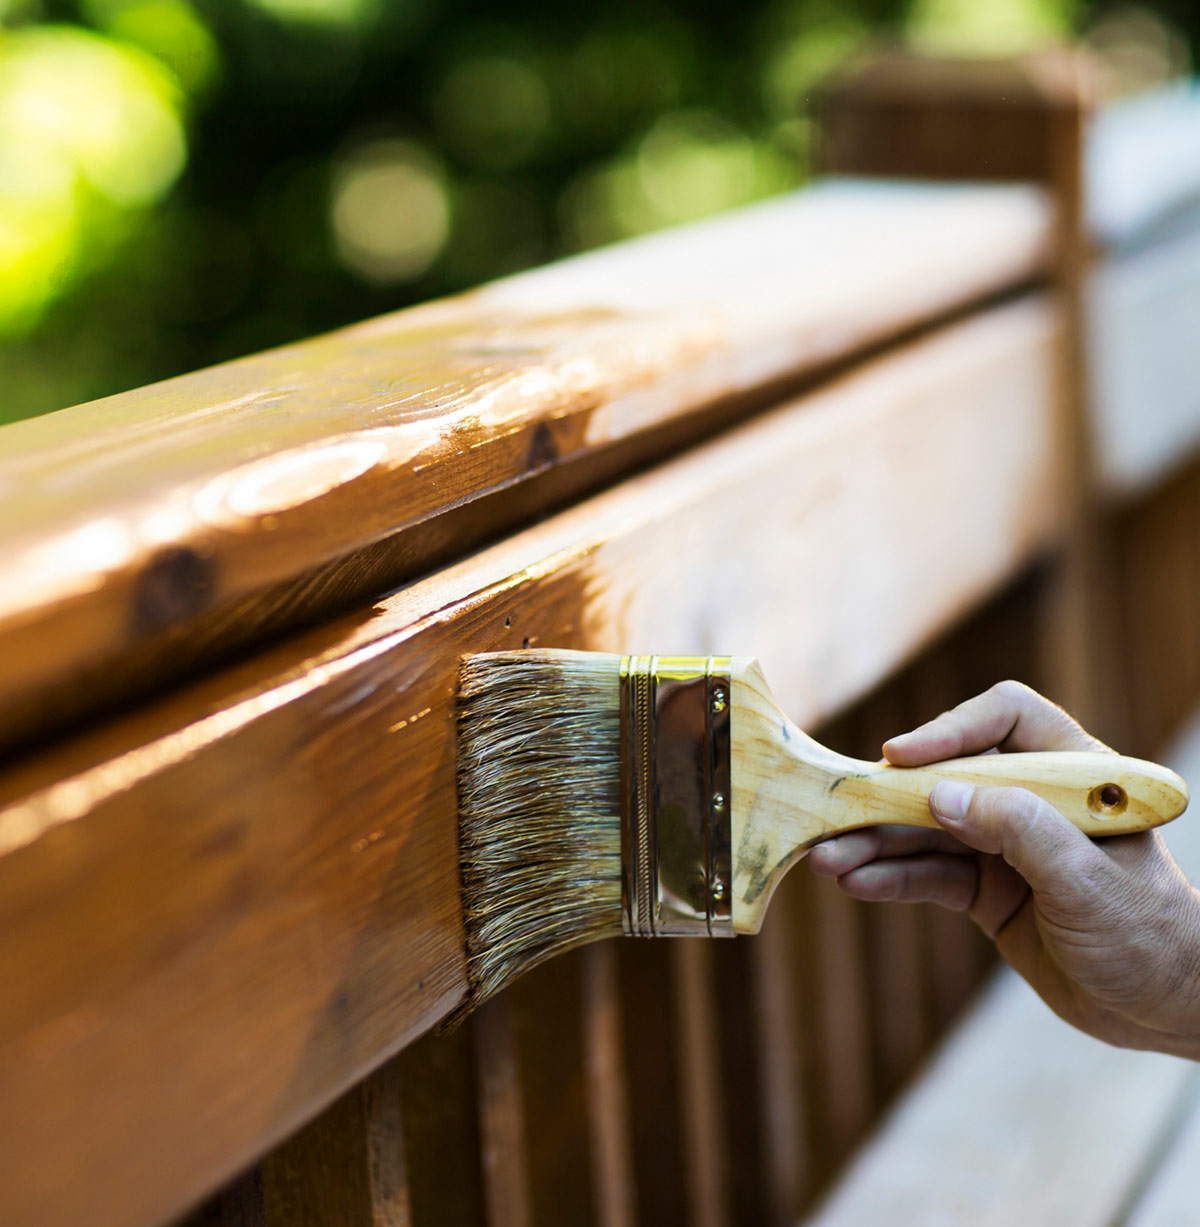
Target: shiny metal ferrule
(676,802)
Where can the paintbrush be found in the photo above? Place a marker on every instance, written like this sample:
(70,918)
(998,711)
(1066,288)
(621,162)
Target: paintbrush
(668,795)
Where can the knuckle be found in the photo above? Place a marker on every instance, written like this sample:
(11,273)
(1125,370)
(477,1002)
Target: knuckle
(1014,692)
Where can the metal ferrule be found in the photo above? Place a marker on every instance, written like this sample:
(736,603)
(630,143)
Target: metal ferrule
(676,803)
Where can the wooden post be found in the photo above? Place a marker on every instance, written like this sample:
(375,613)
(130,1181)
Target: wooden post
(1005,120)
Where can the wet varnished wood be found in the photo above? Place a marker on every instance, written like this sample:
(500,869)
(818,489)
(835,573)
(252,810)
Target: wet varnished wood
(224,910)
(157,531)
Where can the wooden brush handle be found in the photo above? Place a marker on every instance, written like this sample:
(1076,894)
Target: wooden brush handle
(1102,794)
(790,791)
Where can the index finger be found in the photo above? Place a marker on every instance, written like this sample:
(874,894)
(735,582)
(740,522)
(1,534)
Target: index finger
(1009,716)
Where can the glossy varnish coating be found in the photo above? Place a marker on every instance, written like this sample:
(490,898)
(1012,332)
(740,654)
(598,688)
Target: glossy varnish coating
(261,874)
(154,531)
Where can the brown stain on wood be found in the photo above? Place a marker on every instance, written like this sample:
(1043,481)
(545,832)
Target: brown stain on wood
(263,868)
(320,894)
(164,531)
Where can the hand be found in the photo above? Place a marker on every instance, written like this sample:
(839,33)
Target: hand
(1107,933)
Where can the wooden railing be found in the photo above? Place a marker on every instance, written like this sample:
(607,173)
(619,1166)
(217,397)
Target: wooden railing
(840,430)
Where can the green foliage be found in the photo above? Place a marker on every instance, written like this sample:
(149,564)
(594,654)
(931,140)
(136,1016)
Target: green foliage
(182,181)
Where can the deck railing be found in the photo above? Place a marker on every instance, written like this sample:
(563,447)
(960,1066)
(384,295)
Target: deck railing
(842,430)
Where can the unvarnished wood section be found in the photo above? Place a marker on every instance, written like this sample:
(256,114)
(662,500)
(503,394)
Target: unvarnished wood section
(1143,162)
(223,910)
(1143,318)
(154,531)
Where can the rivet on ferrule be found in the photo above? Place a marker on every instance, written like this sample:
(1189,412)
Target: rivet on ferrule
(675,808)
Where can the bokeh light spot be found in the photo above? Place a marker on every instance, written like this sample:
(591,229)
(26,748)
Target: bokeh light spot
(390,210)
(89,130)
(691,164)
(988,27)
(170,30)
(1137,49)
(343,13)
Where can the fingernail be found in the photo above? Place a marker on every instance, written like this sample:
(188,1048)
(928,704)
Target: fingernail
(950,798)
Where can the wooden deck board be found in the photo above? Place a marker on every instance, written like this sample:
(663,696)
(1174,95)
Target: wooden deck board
(1170,1197)
(1020,1119)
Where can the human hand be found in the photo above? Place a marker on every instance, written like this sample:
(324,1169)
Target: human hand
(1107,932)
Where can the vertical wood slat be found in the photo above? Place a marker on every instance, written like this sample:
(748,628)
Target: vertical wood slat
(845,1067)
(501,1117)
(238,1204)
(737,1026)
(781,1038)
(1076,628)
(1155,580)
(550,1021)
(443,1143)
(607,1092)
(347,1166)
(955,959)
(701,1093)
(655,1103)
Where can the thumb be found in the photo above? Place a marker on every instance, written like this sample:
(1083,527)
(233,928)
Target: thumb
(1045,848)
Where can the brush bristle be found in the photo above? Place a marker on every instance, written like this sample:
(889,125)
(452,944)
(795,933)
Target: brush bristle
(539,808)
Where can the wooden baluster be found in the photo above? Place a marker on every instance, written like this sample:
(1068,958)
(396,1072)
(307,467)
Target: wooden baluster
(843,1065)
(701,1093)
(846,1067)
(238,1204)
(501,1117)
(548,1018)
(781,1034)
(607,1092)
(954,959)
(442,1141)
(347,1166)
(655,1098)
(740,1059)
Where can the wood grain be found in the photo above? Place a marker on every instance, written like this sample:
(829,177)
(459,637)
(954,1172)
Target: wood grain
(445,1148)
(502,1122)
(701,1089)
(158,531)
(224,910)
(550,1026)
(345,1167)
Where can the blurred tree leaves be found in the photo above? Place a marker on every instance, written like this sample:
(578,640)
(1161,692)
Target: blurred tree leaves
(182,181)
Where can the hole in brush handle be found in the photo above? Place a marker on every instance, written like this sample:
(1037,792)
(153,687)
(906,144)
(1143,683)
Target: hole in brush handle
(1107,801)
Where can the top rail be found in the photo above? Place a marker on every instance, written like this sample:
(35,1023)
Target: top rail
(1143,163)
(154,531)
